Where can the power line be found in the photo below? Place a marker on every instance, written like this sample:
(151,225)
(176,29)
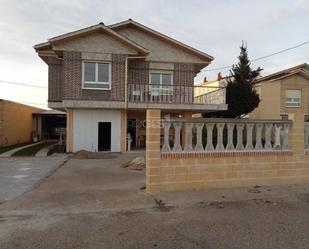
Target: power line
(21,84)
(259,58)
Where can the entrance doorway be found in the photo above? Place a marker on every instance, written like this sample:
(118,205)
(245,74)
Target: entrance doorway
(131,128)
(104,136)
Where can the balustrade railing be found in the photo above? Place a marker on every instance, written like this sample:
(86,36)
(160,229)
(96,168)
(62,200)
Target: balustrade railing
(209,135)
(177,94)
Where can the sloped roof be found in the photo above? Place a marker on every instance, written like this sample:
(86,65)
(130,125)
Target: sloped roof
(160,35)
(88,30)
(302,69)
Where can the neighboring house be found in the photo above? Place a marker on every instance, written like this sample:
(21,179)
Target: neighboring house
(283,92)
(106,77)
(211,90)
(15,122)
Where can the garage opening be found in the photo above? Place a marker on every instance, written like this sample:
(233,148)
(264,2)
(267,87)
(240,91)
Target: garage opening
(104,133)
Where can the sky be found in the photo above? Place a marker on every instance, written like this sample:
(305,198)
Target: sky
(216,27)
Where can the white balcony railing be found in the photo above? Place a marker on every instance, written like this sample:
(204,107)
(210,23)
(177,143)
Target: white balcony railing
(177,94)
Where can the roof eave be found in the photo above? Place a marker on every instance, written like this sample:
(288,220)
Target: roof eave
(94,28)
(287,71)
(189,48)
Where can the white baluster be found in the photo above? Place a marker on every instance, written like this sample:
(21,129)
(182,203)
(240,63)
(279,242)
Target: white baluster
(285,137)
(230,129)
(177,146)
(188,146)
(240,128)
(259,145)
(220,127)
(277,144)
(166,146)
(268,131)
(209,145)
(249,129)
(199,136)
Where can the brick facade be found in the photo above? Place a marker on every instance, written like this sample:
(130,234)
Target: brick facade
(72,69)
(184,74)
(65,78)
(55,79)
(138,72)
(118,76)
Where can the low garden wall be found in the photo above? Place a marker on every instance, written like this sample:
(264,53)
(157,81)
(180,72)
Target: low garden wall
(222,153)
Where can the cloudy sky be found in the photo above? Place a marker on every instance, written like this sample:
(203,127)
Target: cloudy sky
(216,27)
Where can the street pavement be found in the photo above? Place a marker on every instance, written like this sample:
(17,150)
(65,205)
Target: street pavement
(90,204)
(19,175)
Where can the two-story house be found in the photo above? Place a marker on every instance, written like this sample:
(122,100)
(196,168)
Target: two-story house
(106,77)
(283,92)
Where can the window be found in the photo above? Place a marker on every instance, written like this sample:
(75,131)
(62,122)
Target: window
(293,98)
(161,83)
(96,75)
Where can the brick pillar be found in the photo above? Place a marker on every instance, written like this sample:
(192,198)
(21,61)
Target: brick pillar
(297,133)
(123,131)
(153,130)
(69,131)
(183,131)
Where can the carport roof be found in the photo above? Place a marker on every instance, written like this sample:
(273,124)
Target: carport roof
(49,112)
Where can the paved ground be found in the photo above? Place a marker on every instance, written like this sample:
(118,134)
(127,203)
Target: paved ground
(97,204)
(18,175)
(11,152)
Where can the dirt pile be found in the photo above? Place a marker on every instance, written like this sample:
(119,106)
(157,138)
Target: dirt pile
(136,164)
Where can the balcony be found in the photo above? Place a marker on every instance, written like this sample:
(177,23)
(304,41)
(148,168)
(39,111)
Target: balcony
(176,94)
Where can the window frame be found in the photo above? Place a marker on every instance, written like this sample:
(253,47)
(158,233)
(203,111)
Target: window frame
(300,99)
(161,87)
(97,76)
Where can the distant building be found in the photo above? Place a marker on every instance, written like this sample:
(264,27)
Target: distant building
(283,92)
(15,122)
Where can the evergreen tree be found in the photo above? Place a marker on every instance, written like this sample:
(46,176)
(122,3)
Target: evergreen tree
(241,96)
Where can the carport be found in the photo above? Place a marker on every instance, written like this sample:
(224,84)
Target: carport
(48,124)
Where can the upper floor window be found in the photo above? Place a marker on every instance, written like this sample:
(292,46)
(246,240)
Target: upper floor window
(161,83)
(292,98)
(96,75)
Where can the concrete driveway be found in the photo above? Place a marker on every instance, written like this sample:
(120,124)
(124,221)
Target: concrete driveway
(19,175)
(89,204)
(85,186)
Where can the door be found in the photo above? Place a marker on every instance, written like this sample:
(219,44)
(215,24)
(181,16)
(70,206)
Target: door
(104,133)
(131,128)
